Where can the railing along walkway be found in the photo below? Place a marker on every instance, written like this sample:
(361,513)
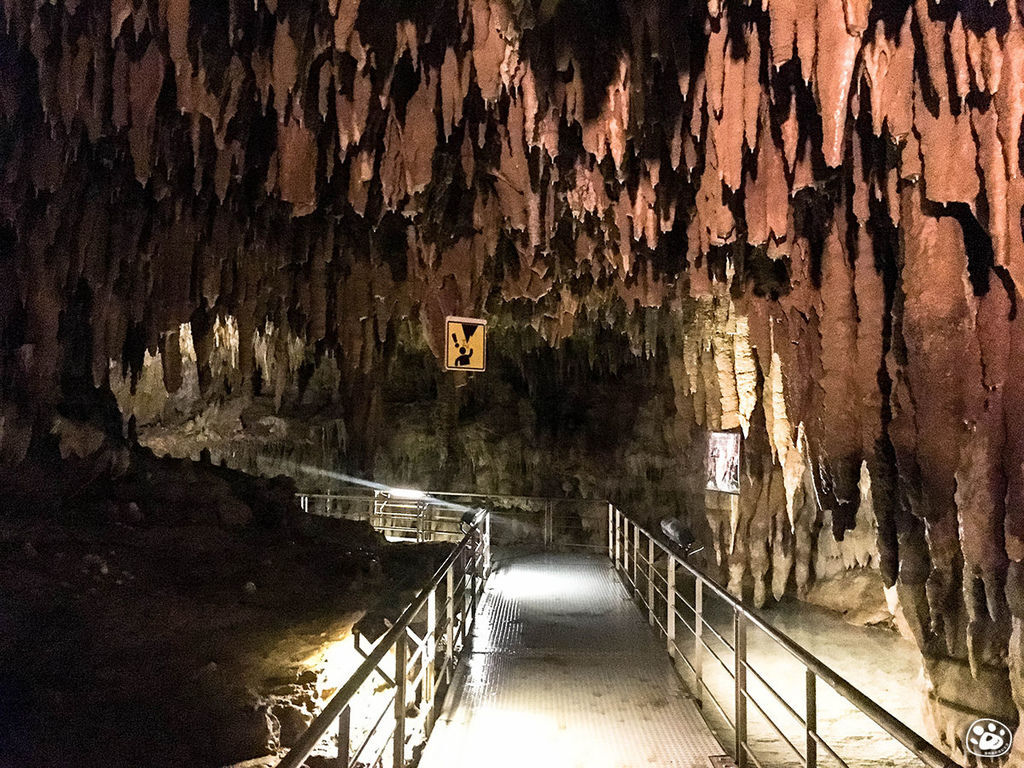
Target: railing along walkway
(388,705)
(560,661)
(685,607)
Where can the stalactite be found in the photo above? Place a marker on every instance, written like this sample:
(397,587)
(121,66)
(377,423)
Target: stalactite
(296,162)
(1013,457)
(841,428)
(760,532)
(746,372)
(981,484)
(939,353)
(782,436)
(835,54)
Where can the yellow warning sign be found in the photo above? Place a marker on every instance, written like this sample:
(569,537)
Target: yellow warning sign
(465,344)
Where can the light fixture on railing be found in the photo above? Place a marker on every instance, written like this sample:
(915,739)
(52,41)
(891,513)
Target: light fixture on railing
(406,494)
(680,535)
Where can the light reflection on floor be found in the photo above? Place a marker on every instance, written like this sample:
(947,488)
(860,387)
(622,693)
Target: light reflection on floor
(566,673)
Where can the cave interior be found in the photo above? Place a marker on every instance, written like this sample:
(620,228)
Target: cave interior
(231,233)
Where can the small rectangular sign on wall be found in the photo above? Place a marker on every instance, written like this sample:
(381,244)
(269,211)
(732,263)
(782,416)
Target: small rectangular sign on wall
(722,465)
(465,344)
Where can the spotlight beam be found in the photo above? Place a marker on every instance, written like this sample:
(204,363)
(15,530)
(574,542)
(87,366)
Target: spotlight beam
(402,494)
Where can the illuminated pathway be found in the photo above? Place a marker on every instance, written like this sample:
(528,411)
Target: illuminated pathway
(564,674)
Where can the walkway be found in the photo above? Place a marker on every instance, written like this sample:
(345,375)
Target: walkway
(565,673)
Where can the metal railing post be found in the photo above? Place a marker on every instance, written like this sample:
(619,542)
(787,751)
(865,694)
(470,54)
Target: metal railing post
(739,637)
(650,580)
(698,642)
(487,543)
(464,578)
(811,718)
(618,540)
(636,557)
(431,646)
(344,736)
(670,608)
(473,585)
(401,648)
(611,532)
(449,630)
(481,572)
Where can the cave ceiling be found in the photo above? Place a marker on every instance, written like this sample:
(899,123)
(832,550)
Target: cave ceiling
(831,189)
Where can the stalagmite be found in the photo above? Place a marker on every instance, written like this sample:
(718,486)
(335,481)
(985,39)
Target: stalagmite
(958,53)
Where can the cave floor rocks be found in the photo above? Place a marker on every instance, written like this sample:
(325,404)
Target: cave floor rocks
(143,647)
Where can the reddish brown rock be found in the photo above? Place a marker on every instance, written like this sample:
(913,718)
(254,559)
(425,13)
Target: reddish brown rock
(297,166)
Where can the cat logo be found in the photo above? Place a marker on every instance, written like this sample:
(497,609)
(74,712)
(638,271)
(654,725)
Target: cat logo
(465,344)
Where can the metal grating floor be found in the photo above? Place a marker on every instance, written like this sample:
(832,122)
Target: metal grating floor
(565,673)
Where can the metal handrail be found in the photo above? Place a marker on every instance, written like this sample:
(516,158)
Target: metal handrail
(626,556)
(468,551)
(637,566)
(515,497)
(354,496)
(386,507)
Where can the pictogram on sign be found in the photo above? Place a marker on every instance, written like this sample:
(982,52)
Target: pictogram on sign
(465,344)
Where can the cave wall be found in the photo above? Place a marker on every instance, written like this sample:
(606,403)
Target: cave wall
(808,212)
